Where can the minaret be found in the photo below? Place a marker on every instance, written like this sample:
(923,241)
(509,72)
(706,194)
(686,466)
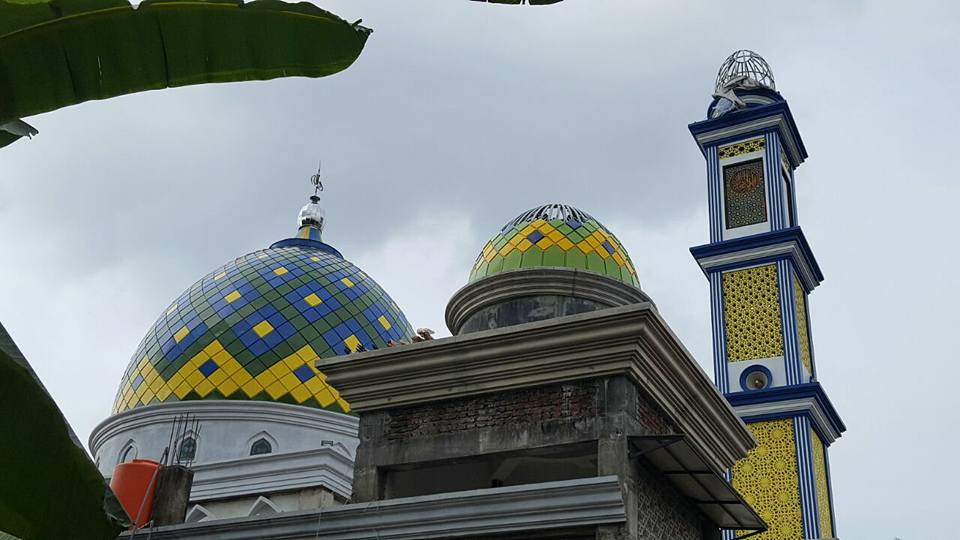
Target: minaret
(761,272)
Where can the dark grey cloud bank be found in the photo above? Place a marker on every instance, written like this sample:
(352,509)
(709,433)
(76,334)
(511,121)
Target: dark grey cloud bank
(460,115)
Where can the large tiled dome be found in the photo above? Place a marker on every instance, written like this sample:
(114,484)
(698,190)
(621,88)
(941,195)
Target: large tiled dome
(555,236)
(252,329)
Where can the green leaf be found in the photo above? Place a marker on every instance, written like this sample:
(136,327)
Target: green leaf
(55,53)
(50,488)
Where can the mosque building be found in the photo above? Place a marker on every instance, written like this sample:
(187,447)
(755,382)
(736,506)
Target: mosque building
(562,406)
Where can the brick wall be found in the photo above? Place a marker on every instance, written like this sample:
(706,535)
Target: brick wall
(526,406)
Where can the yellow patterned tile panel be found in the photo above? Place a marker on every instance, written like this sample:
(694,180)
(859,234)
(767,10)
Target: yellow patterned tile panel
(742,147)
(767,479)
(823,490)
(751,313)
(803,331)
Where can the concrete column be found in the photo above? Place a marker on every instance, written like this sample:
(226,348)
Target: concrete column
(172,495)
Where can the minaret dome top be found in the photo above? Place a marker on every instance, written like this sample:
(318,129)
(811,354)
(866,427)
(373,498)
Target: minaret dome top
(745,69)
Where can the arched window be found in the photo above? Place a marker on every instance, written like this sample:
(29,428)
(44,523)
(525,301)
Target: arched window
(129,453)
(261,446)
(188,449)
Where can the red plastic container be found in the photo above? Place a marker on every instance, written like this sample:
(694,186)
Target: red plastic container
(134,483)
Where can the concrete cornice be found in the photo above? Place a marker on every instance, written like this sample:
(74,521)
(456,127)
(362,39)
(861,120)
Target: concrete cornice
(270,473)
(630,340)
(217,410)
(478,513)
(805,405)
(740,252)
(523,282)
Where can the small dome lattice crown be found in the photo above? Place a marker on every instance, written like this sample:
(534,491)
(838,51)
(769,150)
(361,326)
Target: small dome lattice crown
(744,68)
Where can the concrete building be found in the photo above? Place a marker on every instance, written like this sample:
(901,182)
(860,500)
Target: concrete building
(562,405)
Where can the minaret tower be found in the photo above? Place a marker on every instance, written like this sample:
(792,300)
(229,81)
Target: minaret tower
(761,272)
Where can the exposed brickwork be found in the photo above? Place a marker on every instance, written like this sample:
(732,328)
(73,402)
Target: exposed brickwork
(526,406)
(664,514)
(652,420)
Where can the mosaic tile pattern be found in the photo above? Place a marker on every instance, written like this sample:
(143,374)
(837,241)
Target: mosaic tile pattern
(744,195)
(751,313)
(741,148)
(767,479)
(803,334)
(823,489)
(253,328)
(555,235)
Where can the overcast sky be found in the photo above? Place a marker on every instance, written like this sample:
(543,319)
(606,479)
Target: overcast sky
(460,115)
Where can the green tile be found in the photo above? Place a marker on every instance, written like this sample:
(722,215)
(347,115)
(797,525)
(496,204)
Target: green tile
(576,258)
(532,257)
(512,260)
(595,263)
(554,256)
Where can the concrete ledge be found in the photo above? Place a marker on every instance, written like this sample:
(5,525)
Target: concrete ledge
(328,466)
(550,505)
(523,282)
(631,340)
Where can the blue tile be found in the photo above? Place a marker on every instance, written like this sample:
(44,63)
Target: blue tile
(535,237)
(208,367)
(304,373)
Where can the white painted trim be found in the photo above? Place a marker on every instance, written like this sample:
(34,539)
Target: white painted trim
(216,410)
(807,404)
(274,446)
(264,505)
(198,510)
(329,466)
(790,248)
(479,513)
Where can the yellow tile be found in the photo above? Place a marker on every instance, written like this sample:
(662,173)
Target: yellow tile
(218,377)
(263,328)
(181,333)
(524,245)
(222,356)
(556,236)
(232,297)
(172,309)
(352,342)
(537,223)
(228,387)
(164,392)
(204,388)
(313,300)
(230,367)
(315,259)
(278,370)
(252,388)
(347,282)
(290,381)
(183,389)
(300,394)
(515,240)
(314,385)
(545,242)
(213,348)
(156,384)
(343,405)
(293,361)
(507,248)
(489,256)
(151,375)
(307,354)
(603,253)
(175,380)
(194,378)
(384,322)
(565,244)
(325,397)
(280,271)
(266,378)
(144,362)
(618,258)
(527,230)
(241,377)
(276,390)
(221,275)
(585,247)
(199,358)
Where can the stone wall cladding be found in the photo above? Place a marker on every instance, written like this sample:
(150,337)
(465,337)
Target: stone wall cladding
(664,514)
(526,406)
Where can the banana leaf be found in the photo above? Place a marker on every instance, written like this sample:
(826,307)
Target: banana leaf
(49,488)
(55,53)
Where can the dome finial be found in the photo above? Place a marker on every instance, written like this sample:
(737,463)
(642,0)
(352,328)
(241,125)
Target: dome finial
(744,69)
(312,218)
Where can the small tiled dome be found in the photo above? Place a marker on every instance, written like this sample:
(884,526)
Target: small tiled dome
(252,329)
(555,235)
